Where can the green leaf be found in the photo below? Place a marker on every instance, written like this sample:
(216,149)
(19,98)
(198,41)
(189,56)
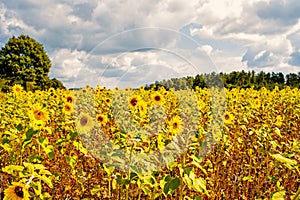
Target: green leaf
(80,147)
(248,178)
(72,161)
(95,190)
(278,195)
(46,180)
(60,141)
(174,183)
(73,135)
(12,168)
(29,166)
(45,172)
(5,141)
(171,185)
(19,127)
(51,154)
(37,187)
(290,163)
(166,189)
(29,134)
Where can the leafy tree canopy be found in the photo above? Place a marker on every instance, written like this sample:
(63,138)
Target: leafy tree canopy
(24,61)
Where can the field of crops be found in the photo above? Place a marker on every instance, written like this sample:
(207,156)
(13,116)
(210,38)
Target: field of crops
(145,144)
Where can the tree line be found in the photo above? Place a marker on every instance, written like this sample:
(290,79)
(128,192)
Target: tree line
(24,61)
(235,79)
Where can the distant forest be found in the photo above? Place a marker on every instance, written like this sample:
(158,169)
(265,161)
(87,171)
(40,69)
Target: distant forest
(231,80)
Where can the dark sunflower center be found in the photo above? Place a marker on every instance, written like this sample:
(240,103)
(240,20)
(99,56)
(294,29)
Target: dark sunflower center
(38,114)
(100,119)
(133,102)
(83,121)
(69,99)
(157,98)
(19,191)
(227,117)
(107,100)
(175,125)
(67,108)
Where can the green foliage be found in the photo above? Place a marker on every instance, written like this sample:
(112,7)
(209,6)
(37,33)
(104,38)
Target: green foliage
(234,79)
(24,61)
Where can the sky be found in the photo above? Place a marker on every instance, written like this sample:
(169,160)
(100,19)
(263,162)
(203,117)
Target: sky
(130,43)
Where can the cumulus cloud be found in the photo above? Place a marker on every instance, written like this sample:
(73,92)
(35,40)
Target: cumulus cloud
(109,40)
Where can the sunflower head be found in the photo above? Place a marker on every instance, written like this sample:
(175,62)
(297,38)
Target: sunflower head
(228,118)
(157,98)
(175,125)
(69,99)
(17,191)
(68,108)
(133,101)
(101,119)
(38,116)
(17,88)
(84,123)
(51,90)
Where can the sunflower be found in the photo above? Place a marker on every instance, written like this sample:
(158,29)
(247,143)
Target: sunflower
(133,101)
(17,191)
(69,99)
(142,109)
(101,119)
(256,103)
(51,90)
(175,125)
(38,116)
(68,108)
(160,141)
(228,118)
(157,98)
(17,88)
(84,123)
(279,120)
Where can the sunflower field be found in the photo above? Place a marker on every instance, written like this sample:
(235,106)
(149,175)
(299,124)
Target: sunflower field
(96,143)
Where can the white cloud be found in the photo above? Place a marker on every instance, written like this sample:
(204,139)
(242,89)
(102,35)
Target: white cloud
(67,63)
(256,34)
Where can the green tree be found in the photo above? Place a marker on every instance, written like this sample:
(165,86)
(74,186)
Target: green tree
(24,61)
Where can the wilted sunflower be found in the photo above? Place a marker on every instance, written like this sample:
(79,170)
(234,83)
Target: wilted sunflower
(17,88)
(175,125)
(84,123)
(17,191)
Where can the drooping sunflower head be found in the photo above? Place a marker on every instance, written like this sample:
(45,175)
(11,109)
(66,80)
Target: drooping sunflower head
(17,88)
(17,191)
(84,123)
